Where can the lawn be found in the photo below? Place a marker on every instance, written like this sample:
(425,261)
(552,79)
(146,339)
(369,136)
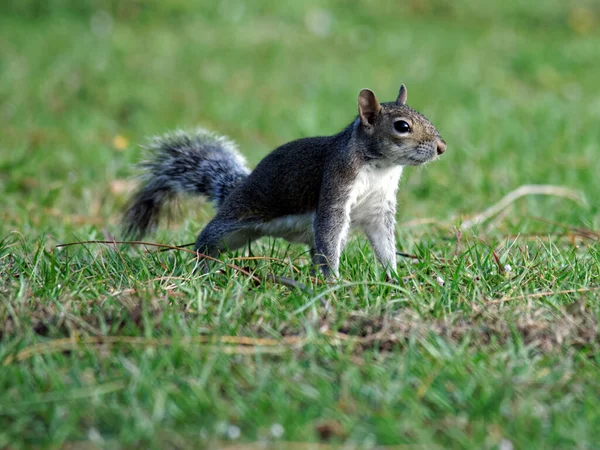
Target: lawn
(487,339)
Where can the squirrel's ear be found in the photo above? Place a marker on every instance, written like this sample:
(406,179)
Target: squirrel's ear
(368,106)
(401,100)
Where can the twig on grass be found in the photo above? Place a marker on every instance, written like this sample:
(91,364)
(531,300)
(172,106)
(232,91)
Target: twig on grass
(418,258)
(407,255)
(152,244)
(258,280)
(176,247)
(239,258)
(528,189)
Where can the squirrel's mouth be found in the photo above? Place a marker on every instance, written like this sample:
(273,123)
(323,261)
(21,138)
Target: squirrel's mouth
(421,157)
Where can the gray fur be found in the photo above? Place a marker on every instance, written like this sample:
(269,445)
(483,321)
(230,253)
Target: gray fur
(312,190)
(201,163)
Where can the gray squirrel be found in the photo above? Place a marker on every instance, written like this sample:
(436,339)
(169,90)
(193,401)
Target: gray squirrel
(311,190)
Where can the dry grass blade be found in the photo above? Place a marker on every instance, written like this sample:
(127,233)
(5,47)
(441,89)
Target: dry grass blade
(497,261)
(522,191)
(578,231)
(72,343)
(419,222)
(545,294)
(230,344)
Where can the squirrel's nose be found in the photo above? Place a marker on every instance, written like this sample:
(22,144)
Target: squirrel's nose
(441,147)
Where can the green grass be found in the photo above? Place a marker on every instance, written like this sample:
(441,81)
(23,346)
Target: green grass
(483,360)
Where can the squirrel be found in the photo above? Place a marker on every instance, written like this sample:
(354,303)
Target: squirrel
(311,190)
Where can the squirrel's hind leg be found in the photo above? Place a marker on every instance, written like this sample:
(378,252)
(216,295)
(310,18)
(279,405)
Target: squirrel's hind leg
(222,235)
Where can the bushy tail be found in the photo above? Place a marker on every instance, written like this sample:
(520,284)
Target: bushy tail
(201,163)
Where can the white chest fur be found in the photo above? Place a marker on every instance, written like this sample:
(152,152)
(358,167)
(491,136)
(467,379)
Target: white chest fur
(373,191)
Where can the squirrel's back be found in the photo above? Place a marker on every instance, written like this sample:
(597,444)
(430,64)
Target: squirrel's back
(288,180)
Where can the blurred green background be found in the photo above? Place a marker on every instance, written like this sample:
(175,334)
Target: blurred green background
(504,350)
(512,86)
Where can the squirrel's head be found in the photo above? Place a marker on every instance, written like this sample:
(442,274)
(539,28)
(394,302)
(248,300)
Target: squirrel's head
(401,135)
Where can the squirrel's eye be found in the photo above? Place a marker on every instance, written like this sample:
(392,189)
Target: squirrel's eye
(402,126)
